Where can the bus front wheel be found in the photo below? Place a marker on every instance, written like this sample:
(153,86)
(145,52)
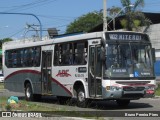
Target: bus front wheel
(81,100)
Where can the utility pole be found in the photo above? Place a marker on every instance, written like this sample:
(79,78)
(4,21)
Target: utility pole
(104,15)
(30,15)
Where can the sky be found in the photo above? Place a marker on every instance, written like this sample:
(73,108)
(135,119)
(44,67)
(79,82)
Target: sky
(51,13)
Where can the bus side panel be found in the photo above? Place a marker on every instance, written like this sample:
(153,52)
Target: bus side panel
(59,90)
(15,81)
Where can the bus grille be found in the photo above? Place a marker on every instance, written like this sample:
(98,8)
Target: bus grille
(133,88)
(132,96)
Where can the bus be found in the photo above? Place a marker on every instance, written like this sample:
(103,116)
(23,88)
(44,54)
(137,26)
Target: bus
(110,65)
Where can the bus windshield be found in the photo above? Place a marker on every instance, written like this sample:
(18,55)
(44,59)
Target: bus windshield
(128,60)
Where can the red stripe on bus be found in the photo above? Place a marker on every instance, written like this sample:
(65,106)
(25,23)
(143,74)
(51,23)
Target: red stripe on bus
(22,71)
(54,80)
(37,72)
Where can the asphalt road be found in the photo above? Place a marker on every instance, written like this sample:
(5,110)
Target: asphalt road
(145,105)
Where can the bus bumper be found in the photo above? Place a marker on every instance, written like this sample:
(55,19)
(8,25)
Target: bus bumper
(128,94)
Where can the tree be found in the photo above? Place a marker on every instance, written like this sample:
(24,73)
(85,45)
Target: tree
(4,40)
(134,16)
(85,22)
(113,12)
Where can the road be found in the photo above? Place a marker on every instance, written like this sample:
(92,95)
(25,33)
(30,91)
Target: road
(108,107)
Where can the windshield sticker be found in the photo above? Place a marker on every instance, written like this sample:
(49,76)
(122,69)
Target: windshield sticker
(146,74)
(119,70)
(136,74)
(63,73)
(131,75)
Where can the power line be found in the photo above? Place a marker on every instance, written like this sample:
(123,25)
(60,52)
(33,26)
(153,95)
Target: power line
(63,18)
(23,5)
(31,5)
(13,34)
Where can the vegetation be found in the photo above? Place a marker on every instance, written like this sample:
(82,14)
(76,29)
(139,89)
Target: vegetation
(158,90)
(114,12)
(85,22)
(4,40)
(1,42)
(134,17)
(22,106)
(1,86)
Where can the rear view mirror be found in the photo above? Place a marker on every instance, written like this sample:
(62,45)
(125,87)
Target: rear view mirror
(153,55)
(102,54)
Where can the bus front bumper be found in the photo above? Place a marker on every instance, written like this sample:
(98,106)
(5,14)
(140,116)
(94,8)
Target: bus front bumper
(128,93)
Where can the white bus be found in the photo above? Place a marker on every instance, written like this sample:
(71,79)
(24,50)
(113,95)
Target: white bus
(102,65)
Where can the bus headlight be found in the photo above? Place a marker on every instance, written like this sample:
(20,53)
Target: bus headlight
(150,88)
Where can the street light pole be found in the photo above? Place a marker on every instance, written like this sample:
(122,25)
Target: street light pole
(104,15)
(27,14)
(119,13)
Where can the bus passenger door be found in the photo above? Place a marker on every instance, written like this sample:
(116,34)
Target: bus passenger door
(95,72)
(46,72)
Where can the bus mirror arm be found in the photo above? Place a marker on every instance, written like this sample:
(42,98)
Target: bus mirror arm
(102,55)
(103,43)
(153,55)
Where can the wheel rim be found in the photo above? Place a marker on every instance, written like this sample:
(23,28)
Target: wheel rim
(28,93)
(81,96)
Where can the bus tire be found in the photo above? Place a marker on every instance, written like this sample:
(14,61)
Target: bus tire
(81,100)
(123,103)
(28,92)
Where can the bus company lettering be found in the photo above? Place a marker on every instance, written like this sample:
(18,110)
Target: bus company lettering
(63,73)
(124,37)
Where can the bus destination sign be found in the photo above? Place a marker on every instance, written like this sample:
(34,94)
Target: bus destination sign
(126,36)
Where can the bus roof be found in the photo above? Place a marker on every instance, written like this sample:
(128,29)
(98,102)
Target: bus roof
(58,39)
(28,43)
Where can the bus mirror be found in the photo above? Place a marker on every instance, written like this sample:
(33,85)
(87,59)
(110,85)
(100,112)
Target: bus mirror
(102,55)
(153,55)
(103,43)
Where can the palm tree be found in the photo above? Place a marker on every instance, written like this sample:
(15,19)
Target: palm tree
(113,13)
(134,16)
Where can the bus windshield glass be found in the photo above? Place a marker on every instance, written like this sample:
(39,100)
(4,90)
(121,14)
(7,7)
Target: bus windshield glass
(128,60)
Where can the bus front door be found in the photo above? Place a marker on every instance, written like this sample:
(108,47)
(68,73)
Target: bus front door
(95,72)
(46,72)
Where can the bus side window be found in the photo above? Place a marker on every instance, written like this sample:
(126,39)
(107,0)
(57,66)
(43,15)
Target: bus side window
(18,58)
(80,53)
(22,57)
(14,59)
(8,59)
(25,57)
(70,56)
(65,53)
(30,59)
(56,55)
(37,52)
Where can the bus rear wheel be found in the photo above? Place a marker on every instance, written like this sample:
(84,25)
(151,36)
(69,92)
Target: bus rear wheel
(28,92)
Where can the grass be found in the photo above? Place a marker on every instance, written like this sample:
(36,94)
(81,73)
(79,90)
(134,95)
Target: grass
(24,105)
(1,86)
(158,90)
